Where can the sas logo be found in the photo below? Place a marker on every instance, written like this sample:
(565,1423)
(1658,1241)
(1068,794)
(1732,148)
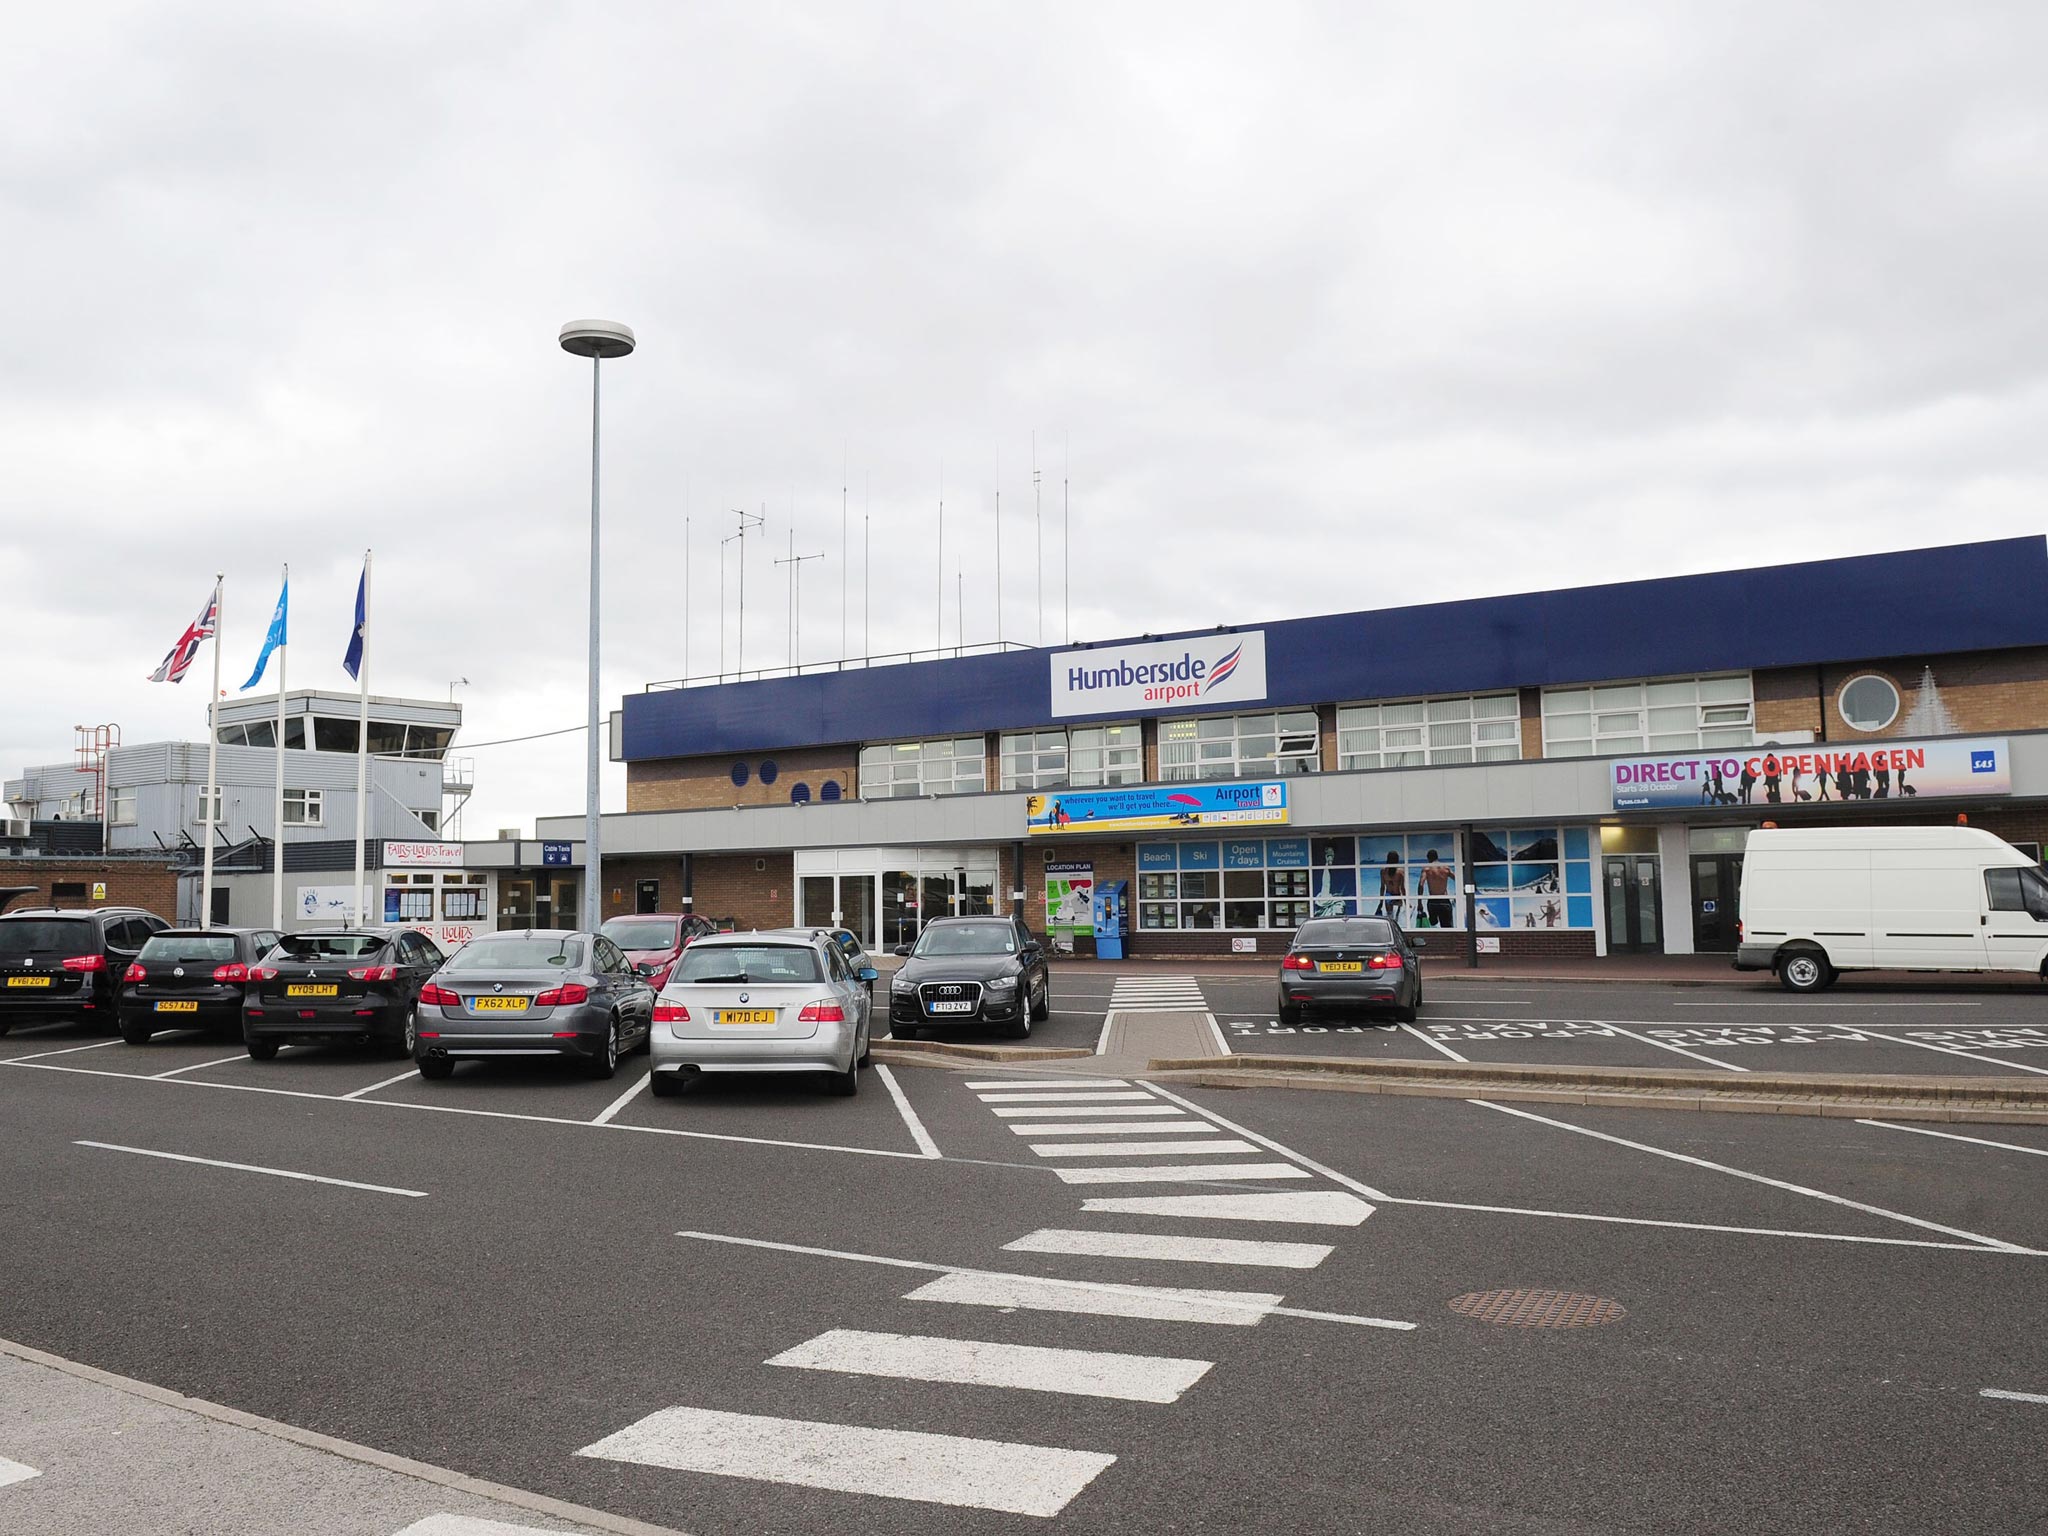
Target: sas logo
(1983,762)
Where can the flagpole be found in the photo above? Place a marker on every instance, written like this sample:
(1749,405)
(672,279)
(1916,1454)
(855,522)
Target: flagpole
(209,819)
(277,863)
(363,747)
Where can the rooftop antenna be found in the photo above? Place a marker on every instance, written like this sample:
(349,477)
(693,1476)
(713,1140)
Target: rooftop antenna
(866,632)
(1038,518)
(1066,536)
(729,538)
(960,619)
(942,556)
(795,562)
(686,588)
(999,549)
(747,520)
(843,562)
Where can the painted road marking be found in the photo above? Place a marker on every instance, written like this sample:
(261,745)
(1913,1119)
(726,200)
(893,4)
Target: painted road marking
(1180,1127)
(406,1076)
(847,1458)
(1949,1050)
(1191,1173)
(470,1525)
(1433,1043)
(15,1472)
(605,1116)
(96,1045)
(1140,1148)
(1917,1130)
(1030,1293)
(975,1363)
(1157,994)
(1174,1250)
(1268,1142)
(1754,1178)
(1700,1226)
(200,1066)
(1929,1003)
(1119,1110)
(1317,1208)
(1062,1082)
(1726,1066)
(1069,1097)
(276,1173)
(911,1123)
(2013,1397)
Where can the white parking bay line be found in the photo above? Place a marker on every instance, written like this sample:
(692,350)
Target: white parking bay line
(406,1076)
(1173,1250)
(1120,1110)
(1068,1097)
(276,1173)
(470,1525)
(1433,1043)
(1920,1130)
(1313,1208)
(2013,1397)
(1192,1173)
(1726,1066)
(846,1458)
(1141,1148)
(1169,1304)
(200,1066)
(1065,1082)
(15,1472)
(1948,1050)
(976,1363)
(604,1116)
(39,1055)
(911,1123)
(1115,1128)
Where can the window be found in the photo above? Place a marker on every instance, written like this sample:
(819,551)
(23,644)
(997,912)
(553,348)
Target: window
(121,807)
(1240,746)
(63,891)
(1410,733)
(302,807)
(463,904)
(1869,702)
(897,769)
(431,820)
(387,738)
(331,735)
(2017,890)
(1673,714)
(1085,755)
(199,816)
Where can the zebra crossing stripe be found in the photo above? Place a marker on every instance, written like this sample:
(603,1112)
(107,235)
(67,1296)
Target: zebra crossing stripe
(974,1362)
(1317,1208)
(1139,1148)
(853,1458)
(1030,1293)
(1058,1082)
(1189,1173)
(1178,1250)
(1068,1097)
(470,1525)
(1116,1128)
(1034,1112)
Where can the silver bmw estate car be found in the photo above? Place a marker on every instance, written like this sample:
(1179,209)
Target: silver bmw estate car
(762,1002)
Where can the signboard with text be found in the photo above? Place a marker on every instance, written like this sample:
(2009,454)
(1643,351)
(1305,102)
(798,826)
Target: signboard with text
(555,853)
(422,855)
(1824,773)
(1225,668)
(1157,809)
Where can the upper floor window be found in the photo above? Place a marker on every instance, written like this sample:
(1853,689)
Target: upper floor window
(1672,714)
(1240,746)
(1083,755)
(896,769)
(303,808)
(121,807)
(1411,733)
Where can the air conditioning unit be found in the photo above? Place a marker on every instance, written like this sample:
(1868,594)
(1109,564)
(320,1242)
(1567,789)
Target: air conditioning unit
(14,831)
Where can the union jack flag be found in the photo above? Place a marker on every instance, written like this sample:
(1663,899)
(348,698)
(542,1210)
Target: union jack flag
(179,661)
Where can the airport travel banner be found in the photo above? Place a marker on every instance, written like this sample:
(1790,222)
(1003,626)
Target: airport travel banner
(1823,773)
(1159,808)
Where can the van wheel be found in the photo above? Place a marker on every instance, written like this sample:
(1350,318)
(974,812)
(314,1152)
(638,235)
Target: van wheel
(1805,970)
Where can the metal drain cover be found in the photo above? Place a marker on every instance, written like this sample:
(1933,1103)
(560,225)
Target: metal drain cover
(1538,1309)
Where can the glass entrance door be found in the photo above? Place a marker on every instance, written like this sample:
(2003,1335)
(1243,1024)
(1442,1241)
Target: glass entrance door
(899,908)
(1716,882)
(1634,905)
(857,907)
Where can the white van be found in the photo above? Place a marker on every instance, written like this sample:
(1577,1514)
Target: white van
(1817,901)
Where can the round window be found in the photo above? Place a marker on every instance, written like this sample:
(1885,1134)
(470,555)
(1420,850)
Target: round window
(1869,702)
(740,774)
(768,770)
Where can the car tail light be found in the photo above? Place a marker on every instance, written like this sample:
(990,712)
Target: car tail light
(671,1013)
(427,1034)
(822,1013)
(374,973)
(233,971)
(1297,963)
(135,973)
(563,996)
(263,973)
(86,963)
(563,1034)
(439,997)
(1390,961)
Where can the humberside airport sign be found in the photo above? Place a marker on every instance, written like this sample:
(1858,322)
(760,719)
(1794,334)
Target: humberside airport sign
(1213,669)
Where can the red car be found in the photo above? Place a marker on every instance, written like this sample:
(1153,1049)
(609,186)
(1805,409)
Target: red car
(654,940)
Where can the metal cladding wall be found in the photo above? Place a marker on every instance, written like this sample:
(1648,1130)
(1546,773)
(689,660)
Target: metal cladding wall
(1965,597)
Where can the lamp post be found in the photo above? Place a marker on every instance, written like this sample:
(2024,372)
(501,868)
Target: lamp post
(596,340)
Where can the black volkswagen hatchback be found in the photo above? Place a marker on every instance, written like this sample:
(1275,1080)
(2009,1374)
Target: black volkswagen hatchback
(190,978)
(336,985)
(968,971)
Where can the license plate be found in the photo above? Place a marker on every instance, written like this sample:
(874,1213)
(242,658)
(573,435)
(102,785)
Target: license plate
(28,981)
(177,1007)
(746,1016)
(1352,967)
(498,1004)
(950,1008)
(313,989)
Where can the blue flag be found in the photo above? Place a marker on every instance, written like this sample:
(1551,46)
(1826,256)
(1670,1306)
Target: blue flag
(274,638)
(352,659)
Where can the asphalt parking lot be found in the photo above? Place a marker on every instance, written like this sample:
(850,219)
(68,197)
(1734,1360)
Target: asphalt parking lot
(994,1299)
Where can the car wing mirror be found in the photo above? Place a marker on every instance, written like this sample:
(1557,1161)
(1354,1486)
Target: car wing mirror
(1418,941)
(644,968)
(869,973)
(900,949)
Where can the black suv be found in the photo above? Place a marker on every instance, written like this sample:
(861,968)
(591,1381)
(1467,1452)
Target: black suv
(971,970)
(59,964)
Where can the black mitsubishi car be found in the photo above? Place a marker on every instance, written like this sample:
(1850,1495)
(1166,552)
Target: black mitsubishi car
(335,986)
(968,971)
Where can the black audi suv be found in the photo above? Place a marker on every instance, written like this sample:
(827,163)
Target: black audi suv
(967,972)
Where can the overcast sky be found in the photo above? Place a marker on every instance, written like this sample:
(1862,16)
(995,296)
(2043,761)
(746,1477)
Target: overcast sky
(1320,308)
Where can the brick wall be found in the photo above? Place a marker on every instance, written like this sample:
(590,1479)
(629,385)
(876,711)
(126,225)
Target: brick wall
(1788,699)
(1984,691)
(129,882)
(705,783)
(1532,722)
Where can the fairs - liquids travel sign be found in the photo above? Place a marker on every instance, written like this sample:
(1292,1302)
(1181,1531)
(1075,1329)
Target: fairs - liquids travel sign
(1163,674)
(1826,772)
(1169,805)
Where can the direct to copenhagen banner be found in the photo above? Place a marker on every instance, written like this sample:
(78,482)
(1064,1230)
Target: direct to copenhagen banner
(1853,773)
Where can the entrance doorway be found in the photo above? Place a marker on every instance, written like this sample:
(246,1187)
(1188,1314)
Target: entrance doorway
(839,901)
(1716,882)
(1634,905)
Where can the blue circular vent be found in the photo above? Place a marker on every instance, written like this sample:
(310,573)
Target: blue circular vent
(739,774)
(830,791)
(800,793)
(768,770)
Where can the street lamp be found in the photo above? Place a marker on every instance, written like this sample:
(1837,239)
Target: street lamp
(596,340)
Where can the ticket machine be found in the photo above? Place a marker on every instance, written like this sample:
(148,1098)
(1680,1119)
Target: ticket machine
(1112,918)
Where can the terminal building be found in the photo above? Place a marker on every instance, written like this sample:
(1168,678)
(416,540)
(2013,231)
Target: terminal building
(1554,773)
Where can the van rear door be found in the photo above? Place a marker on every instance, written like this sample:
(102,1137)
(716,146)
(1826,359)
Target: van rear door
(1925,907)
(2014,922)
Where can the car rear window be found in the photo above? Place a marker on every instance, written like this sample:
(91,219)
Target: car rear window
(763,964)
(641,932)
(1357,931)
(517,954)
(197,948)
(968,939)
(44,936)
(329,946)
